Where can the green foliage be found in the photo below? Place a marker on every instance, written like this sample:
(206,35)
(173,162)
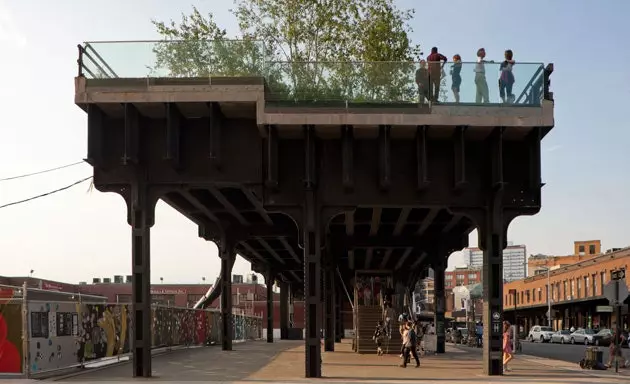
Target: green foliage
(356,50)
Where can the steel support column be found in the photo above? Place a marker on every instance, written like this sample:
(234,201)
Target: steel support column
(492,240)
(312,260)
(284,311)
(330,299)
(228,256)
(338,314)
(440,301)
(142,219)
(269,280)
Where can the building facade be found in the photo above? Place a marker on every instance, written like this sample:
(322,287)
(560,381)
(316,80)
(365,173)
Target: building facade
(461,276)
(514,261)
(582,250)
(576,294)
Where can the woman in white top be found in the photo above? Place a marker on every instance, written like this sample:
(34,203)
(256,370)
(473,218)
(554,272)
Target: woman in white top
(480,78)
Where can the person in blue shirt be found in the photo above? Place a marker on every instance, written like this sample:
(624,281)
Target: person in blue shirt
(479,332)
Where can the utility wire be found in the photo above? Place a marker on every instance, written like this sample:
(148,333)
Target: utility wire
(46,194)
(40,172)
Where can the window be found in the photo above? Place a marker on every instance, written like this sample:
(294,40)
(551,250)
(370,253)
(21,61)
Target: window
(522,297)
(472,276)
(579,287)
(528,297)
(591,249)
(564,289)
(123,298)
(66,325)
(587,286)
(39,324)
(594,276)
(581,250)
(547,292)
(572,289)
(539,294)
(602,277)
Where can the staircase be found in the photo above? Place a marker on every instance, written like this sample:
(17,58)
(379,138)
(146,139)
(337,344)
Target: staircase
(367,318)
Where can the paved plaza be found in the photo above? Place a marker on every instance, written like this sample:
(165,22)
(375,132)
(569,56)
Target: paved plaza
(283,362)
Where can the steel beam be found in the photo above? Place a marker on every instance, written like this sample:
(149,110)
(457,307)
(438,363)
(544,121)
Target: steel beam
(142,213)
(215,126)
(227,205)
(421,158)
(403,258)
(173,134)
(385,156)
(459,160)
(95,125)
(428,220)
(131,154)
(271,180)
(347,156)
(402,221)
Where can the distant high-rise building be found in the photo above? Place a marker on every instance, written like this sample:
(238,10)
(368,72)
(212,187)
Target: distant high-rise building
(514,261)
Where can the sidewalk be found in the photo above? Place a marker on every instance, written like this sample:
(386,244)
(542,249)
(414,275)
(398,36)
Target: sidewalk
(455,366)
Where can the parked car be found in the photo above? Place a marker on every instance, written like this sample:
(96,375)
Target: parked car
(563,336)
(604,337)
(582,336)
(460,336)
(540,333)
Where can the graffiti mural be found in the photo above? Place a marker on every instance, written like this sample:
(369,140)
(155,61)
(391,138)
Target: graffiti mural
(10,338)
(64,334)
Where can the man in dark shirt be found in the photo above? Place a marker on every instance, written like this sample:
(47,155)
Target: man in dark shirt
(435,60)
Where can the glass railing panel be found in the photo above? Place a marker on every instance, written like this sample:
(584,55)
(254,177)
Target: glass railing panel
(346,82)
(159,59)
(399,83)
(479,83)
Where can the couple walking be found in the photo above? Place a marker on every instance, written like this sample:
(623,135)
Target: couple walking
(409,344)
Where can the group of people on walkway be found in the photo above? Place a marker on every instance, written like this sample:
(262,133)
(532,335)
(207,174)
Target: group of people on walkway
(412,333)
(429,76)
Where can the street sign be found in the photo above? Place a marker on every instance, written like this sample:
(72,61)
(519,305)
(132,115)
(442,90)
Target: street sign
(619,274)
(616,292)
(496,316)
(604,309)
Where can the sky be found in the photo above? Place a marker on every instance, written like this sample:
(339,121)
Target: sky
(76,235)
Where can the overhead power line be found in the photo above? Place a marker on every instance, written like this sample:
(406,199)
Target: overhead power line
(46,194)
(40,172)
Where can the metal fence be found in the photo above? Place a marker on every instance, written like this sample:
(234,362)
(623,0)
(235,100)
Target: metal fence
(38,336)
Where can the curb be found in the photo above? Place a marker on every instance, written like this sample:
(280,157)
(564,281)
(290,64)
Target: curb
(573,367)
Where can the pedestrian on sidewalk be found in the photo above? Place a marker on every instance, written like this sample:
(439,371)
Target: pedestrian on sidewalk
(410,343)
(507,347)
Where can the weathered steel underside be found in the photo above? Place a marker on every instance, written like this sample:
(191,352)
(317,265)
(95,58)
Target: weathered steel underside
(315,194)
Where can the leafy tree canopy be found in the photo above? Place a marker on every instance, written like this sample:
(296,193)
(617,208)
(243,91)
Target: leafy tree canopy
(306,49)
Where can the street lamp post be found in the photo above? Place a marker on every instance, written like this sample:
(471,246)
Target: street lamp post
(548,295)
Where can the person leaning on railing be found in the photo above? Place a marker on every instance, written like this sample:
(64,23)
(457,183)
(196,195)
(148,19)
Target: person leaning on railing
(482,95)
(435,60)
(422,80)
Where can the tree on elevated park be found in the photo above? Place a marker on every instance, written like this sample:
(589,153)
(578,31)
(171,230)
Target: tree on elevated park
(315,50)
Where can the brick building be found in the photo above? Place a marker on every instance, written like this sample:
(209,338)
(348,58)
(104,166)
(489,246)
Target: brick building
(582,250)
(576,292)
(462,276)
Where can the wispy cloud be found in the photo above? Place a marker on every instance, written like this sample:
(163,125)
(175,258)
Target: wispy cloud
(553,148)
(9,32)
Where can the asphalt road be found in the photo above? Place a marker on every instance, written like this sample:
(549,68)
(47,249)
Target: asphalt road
(564,352)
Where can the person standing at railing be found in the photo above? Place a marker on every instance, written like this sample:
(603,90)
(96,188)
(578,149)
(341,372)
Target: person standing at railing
(456,76)
(506,77)
(422,80)
(435,60)
(480,78)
